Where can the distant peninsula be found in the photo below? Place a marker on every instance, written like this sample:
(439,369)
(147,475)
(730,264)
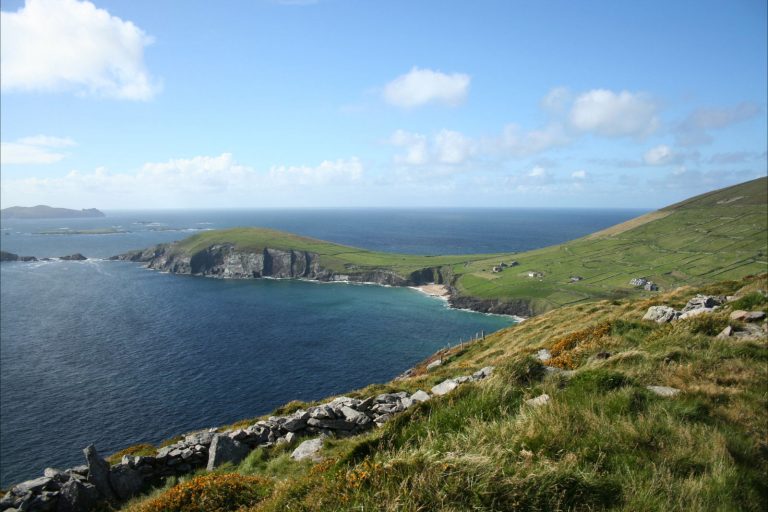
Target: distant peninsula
(42,211)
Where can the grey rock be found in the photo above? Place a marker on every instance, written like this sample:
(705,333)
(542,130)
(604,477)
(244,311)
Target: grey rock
(186,454)
(98,473)
(125,481)
(296,422)
(444,387)
(203,437)
(483,373)
(463,379)
(331,424)
(661,314)
(704,301)
(238,435)
(747,316)
(354,416)
(539,400)
(308,450)
(664,391)
(35,485)
(382,419)
(79,470)
(290,437)
(696,312)
(405,403)
(420,396)
(322,412)
(224,449)
(725,333)
(434,364)
(76,496)
(57,474)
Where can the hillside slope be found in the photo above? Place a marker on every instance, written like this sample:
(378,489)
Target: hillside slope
(602,441)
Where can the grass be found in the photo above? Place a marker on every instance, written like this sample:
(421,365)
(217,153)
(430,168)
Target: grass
(603,442)
(717,236)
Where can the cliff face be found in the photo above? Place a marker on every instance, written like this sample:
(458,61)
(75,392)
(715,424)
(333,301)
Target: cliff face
(225,261)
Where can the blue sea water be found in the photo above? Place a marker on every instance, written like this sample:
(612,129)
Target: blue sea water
(113,354)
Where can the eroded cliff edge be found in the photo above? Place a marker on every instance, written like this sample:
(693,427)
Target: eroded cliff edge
(227,261)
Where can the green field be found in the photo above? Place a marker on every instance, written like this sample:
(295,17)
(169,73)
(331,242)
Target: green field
(715,236)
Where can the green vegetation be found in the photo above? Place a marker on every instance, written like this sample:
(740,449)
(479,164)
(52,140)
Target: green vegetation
(603,442)
(719,235)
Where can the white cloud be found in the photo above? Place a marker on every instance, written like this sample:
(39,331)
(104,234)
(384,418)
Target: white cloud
(658,155)
(611,114)
(579,175)
(556,100)
(201,180)
(516,142)
(452,147)
(694,129)
(422,86)
(34,150)
(53,45)
(537,172)
(415,145)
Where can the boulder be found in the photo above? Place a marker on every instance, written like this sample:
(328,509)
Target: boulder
(308,450)
(664,391)
(696,312)
(297,421)
(420,396)
(290,437)
(747,316)
(704,301)
(483,373)
(434,364)
(661,314)
(98,473)
(224,449)
(126,482)
(36,485)
(355,416)
(725,333)
(538,401)
(330,424)
(444,387)
(76,496)
(73,257)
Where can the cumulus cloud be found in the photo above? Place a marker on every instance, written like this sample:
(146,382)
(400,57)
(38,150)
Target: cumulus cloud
(695,129)
(658,155)
(446,147)
(422,86)
(556,100)
(211,180)
(54,45)
(38,149)
(611,114)
(515,141)
(579,175)
(415,145)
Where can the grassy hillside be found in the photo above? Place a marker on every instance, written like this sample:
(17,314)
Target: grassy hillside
(715,236)
(718,235)
(603,442)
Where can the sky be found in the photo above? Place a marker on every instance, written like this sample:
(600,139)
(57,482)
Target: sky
(118,104)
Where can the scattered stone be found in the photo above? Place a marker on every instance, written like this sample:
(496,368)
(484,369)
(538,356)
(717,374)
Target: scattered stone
(661,314)
(725,333)
(330,424)
(224,449)
(420,396)
(444,387)
(538,401)
(35,485)
(76,496)
(747,316)
(704,301)
(290,437)
(483,373)
(296,422)
(98,473)
(308,450)
(543,355)
(696,312)
(664,391)
(434,364)
(354,416)
(73,257)
(126,482)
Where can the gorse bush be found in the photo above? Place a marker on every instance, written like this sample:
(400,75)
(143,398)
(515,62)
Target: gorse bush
(210,493)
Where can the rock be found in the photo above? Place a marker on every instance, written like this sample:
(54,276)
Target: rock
(98,473)
(696,312)
(330,424)
(322,412)
(538,401)
(747,316)
(405,403)
(203,437)
(35,486)
(664,391)
(483,373)
(543,355)
(76,496)
(420,396)
(224,449)
(381,420)
(725,333)
(73,257)
(355,416)
(434,364)
(661,314)
(290,437)
(444,387)
(296,422)
(126,482)
(308,450)
(704,301)
(57,474)
(463,379)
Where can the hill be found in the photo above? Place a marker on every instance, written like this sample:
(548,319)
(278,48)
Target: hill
(47,212)
(604,438)
(718,235)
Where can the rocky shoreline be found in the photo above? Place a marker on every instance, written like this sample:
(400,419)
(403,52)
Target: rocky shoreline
(226,262)
(88,487)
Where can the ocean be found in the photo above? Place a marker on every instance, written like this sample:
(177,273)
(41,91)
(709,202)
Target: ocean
(110,353)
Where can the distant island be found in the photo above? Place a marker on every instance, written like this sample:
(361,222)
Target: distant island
(42,211)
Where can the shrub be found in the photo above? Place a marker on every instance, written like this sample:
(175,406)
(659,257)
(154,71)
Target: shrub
(210,493)
(750,301)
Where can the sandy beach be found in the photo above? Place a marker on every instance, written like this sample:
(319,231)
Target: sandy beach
(434,290)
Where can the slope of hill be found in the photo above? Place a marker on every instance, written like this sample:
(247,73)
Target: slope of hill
(718,235)
(602,440)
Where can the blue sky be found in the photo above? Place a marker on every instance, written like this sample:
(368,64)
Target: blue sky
(133,104)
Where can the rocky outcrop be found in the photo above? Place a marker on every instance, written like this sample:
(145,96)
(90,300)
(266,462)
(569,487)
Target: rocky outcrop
(73,257)
(698,305)
(9,256)
(516,307)
(227,261)
(83,488)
